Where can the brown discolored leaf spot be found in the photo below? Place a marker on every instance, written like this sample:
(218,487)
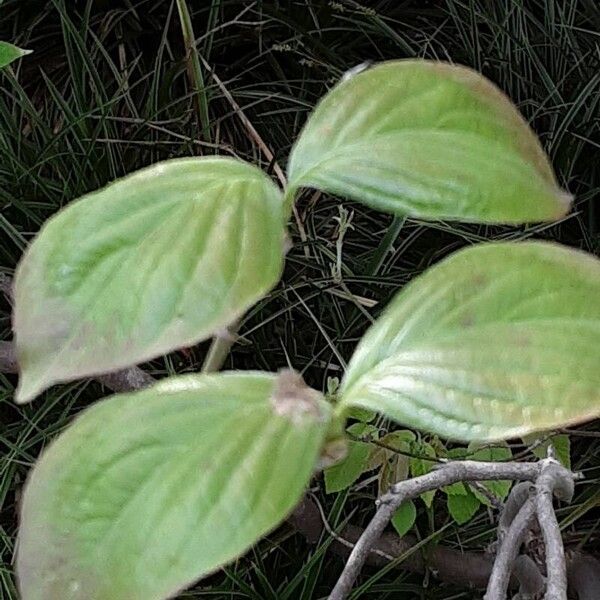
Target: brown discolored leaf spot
(332,453)
(293,399)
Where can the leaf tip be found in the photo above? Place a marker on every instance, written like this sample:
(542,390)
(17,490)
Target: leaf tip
(28,388)
(565,201)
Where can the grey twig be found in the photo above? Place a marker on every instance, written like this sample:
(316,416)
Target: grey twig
(452,472)
(553,480)
(457,567)
(509,549)
(531,581)
(519,494)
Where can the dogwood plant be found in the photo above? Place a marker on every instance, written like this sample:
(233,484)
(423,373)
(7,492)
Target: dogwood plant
(147,492)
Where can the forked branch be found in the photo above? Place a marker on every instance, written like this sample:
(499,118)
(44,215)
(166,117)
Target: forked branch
(548,474)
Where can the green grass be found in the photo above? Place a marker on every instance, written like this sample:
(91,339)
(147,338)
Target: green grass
(107,91)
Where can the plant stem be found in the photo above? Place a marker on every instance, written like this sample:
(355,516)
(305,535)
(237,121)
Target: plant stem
(194,69)
(509,549)
(452,472)
(550,480)
(219,349)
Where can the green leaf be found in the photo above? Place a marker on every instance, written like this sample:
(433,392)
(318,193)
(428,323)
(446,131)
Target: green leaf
(422,466)
(430,140)
(455,489)
(156,261)
(392,455)
(457,453)
(361,414)
(494,342)
(345,473)
(462,507)
(147,492)
(404,518)
(496,453)
(560,442)
(400,439)
(10,53)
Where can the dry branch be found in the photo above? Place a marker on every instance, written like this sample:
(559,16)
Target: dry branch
(447,474)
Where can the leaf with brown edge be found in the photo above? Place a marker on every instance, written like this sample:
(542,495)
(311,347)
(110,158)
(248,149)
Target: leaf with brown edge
(156,261)
(430,140)
(496,341)
(147,492)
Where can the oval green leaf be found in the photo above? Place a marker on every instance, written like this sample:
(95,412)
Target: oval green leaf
(9,53)
(462,507)
(147,492)
(158,260)
(429,140)
(404,518)
(343,474)
(496,341)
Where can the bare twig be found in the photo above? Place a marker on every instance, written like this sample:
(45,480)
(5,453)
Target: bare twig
(447,474)
(456,567)
(519,494)
(509,549)
(554,479)
(551,477)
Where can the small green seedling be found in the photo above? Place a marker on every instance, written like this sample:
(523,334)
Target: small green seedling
(147,492)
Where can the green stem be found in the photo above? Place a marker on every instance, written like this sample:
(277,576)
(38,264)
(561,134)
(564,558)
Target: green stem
(194,69)
(220,346)
(219,349)
(289,197)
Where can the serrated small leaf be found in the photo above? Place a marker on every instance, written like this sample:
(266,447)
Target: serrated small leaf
(156,261)
(462,507)
(404,518)
(494,342)
(560,442)
(147,492)
(9,53)
(377,457)
(346,472)
(422,466)
(457,453)
(394,464)
(401,439)
(456,489)
(361,414)
(393,470)
(496,453)
(430,140)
